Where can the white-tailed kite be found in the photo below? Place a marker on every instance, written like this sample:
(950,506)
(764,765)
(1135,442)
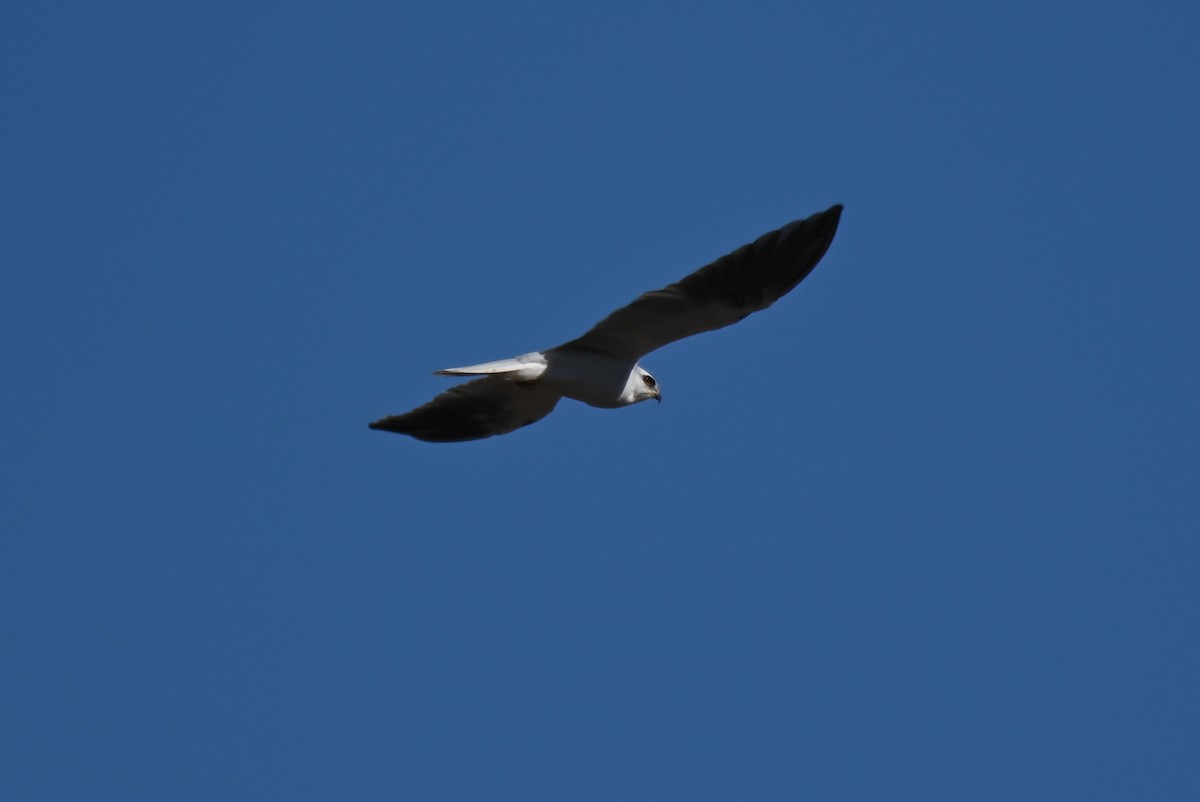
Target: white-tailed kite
(601,367)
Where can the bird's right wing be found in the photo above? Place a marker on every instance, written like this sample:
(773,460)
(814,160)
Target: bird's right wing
(474,410)
(748,280)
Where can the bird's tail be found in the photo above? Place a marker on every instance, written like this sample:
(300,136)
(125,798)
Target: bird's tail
(520,368)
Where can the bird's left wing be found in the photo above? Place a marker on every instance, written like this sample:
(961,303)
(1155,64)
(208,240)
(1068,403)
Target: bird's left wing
(474,410)
(748,280)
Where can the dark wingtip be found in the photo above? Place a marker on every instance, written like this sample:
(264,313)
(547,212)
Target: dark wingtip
(388,424)
(828,223)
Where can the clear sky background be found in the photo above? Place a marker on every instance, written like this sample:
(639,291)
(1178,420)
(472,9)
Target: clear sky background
(929,528)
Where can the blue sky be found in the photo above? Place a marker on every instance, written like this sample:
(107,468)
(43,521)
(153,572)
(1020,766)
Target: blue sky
(926,529)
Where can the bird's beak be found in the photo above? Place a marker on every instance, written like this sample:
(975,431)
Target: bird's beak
(658,396)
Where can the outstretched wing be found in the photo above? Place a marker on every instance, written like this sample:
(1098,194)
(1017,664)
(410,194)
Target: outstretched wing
(474,410)
(750,279)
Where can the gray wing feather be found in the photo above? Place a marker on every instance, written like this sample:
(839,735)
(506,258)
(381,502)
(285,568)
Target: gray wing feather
(748,280)
(474,410)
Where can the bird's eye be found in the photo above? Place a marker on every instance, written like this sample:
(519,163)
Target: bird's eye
(649,381)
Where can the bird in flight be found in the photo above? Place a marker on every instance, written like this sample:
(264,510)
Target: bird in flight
(601,367)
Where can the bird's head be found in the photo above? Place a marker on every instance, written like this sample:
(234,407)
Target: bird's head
(641,386)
